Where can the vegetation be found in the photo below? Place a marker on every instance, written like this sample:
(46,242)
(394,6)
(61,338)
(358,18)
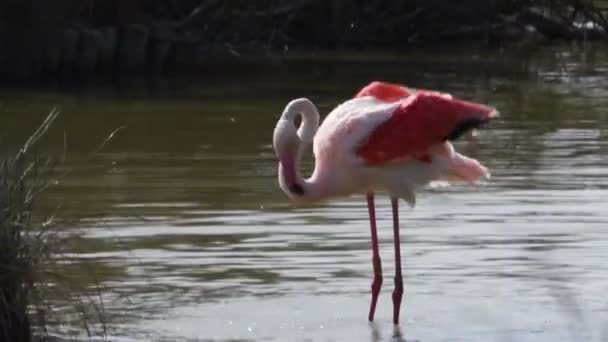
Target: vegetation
(33,290)
(26,246)
(81,37)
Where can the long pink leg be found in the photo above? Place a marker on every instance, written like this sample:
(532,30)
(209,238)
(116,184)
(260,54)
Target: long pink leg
(377,282)
(398,292)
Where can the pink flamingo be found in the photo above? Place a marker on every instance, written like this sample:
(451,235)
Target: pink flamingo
(387,138)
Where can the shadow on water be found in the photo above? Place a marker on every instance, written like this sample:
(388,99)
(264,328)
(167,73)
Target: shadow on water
(396,335)
(182,214)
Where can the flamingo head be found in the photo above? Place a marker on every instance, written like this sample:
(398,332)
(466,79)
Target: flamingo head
(289,141)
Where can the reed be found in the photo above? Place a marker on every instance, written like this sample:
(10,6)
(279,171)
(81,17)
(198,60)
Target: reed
(36,294)
(26,246)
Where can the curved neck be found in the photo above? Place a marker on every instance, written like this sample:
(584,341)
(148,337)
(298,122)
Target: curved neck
(290,178)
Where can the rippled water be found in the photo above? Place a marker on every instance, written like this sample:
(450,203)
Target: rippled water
(186,228)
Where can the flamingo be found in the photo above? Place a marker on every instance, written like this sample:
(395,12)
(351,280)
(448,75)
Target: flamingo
(387,138)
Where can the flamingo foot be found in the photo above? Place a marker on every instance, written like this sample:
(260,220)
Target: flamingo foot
(397,295)
(376,284)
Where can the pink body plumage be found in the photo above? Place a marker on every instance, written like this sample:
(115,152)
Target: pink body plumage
(394,139)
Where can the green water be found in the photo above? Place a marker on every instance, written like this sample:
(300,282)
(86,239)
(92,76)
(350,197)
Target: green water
(185,227)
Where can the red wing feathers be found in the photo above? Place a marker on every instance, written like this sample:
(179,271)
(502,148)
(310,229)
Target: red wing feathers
(422,120)
(385,92)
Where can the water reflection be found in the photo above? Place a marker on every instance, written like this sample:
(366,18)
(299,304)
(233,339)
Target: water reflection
(396,336)
(183,219)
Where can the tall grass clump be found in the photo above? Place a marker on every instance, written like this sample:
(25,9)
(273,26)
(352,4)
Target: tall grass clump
(25,246)
(35,297)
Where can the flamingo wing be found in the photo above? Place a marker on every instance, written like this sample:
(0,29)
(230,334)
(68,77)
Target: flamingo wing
(384,91)
(421,120)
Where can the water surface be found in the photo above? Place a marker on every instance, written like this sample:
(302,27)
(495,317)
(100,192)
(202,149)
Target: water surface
(186,229)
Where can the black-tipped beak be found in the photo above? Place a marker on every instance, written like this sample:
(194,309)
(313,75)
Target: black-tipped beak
(287,163)
(296,189)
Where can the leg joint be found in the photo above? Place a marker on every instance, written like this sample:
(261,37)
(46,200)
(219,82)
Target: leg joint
(377,265)
(399,282)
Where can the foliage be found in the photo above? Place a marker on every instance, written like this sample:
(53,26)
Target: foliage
(33,31)
(26,246)
(33,289)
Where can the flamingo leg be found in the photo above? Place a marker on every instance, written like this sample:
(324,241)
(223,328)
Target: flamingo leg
(377,264)
(398,292)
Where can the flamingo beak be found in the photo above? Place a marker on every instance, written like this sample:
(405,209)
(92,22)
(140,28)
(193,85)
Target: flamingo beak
(288,165)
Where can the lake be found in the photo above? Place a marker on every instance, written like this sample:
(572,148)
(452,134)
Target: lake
(187,233)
